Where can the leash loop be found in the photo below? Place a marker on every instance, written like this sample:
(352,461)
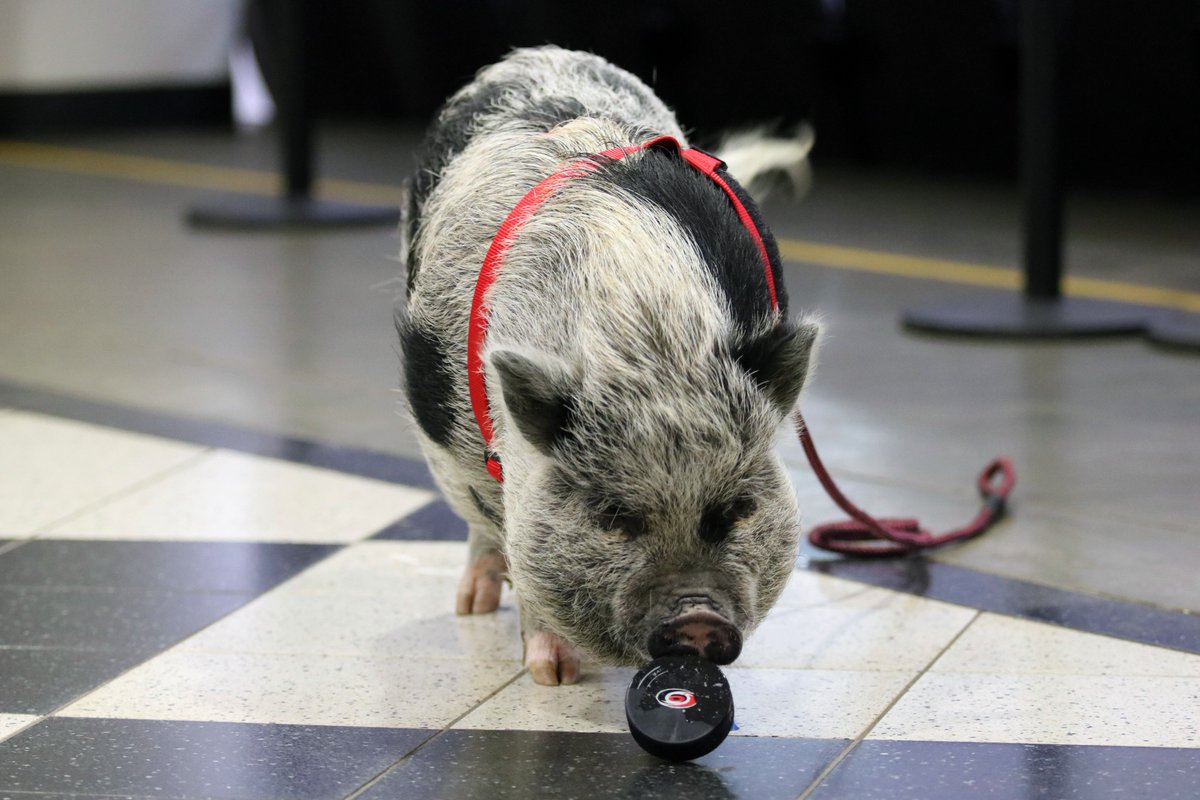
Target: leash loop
(992,494)
(864,535)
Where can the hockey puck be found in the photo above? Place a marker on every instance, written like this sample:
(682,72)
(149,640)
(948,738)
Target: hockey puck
(679,707)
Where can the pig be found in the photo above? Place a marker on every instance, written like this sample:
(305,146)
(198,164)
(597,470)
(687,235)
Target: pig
(637,373)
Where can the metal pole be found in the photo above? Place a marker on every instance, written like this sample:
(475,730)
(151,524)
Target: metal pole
(296,208)
(295,98)
(1041,170)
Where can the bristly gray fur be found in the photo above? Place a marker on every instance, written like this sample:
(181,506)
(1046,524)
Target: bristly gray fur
(613,367)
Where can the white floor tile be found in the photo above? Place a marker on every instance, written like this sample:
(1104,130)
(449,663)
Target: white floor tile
(871,629)
(51,468)
(376,600)
(367,637)
(298,623)
(11,723)
(297,690)
(796,703)
(396,599)
(806,589)
(596,704)
(1142,711)
(374,567)
(1007,645)
(239,497)
(1012,680)
(823,704)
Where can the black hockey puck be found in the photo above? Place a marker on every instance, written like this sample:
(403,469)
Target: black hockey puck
(679,707)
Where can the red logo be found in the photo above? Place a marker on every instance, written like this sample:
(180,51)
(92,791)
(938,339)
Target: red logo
(676,698)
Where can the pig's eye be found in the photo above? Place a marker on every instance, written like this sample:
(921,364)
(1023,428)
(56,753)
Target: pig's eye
(620,521)
(718,520)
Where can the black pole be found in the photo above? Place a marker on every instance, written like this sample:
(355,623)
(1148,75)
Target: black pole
(1040,311)
(294,106)
(1041,169)
(293,26)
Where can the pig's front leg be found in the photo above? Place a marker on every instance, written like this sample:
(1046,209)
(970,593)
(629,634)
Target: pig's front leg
(551,659)
(481,582)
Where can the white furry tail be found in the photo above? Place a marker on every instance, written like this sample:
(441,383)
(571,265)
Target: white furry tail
(758,161)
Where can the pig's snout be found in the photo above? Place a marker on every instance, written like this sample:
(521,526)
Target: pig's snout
(698,631)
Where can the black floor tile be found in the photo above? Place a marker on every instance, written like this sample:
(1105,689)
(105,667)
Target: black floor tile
(878,770)
(1082,612)
(243,567)
(102,619)
(355,461)
(490,765)
(78,613)
(434,521)
(106,757)
(4,795)
(39,681)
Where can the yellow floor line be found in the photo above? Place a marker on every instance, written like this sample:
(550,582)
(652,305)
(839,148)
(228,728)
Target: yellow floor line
(145,169)
(228,179)
(884,263)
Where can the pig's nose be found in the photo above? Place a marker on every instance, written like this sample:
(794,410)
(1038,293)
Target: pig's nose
(703,633)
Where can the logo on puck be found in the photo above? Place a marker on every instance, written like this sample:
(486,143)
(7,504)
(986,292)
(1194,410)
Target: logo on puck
(676,698)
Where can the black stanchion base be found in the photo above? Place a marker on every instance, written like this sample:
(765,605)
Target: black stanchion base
(1178,331)
(994,314)
(250,213)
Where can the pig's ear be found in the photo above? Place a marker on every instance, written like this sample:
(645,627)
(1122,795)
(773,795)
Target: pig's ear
(782,360)
(537,393)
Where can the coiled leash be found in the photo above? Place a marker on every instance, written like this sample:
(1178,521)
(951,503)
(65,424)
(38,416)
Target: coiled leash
(865,535)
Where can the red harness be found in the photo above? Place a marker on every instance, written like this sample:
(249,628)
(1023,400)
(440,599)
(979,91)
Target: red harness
(511,227)
(865,536)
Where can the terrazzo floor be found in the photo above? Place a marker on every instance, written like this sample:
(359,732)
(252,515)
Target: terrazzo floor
(194,610)
(224,573)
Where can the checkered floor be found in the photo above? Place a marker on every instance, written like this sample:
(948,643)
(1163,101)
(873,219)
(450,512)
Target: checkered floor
(206,612)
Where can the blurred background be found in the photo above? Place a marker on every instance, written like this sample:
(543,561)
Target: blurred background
(163,246)
(925,85)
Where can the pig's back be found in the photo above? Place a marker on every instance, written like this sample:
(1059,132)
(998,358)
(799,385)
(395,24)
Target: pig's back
(534,89)
(457,199)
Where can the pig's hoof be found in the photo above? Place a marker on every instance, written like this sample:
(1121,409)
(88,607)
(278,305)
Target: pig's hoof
(551,659)
(482,580)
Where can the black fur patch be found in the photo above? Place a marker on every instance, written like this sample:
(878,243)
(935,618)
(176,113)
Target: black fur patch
(615,517)
(428,382)
(703,209)
(453,129)
(718,520)
(758,356)
(492,515)
(445,138)
(539,403)
(768,238)
(411,214)
(779,360)
(457,122)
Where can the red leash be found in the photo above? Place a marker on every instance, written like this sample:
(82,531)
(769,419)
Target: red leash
(865,535)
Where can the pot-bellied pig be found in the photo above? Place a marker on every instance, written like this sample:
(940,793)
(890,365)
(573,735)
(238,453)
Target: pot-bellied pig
(634,361)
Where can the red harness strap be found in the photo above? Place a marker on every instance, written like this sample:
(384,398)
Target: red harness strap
(865,535)
(522,212)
